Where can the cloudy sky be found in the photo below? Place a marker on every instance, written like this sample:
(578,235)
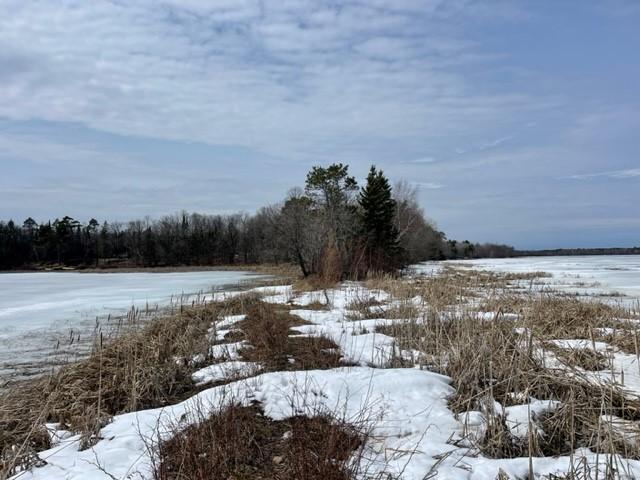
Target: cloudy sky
(518,121)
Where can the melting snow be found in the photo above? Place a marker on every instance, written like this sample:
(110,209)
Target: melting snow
(414,432)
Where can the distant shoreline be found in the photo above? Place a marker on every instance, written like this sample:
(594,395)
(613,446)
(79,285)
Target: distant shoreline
(176,269)
(569,252)
(258,269)
(290,269)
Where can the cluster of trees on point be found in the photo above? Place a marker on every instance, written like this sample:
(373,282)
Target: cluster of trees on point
(466,249)
(330,227)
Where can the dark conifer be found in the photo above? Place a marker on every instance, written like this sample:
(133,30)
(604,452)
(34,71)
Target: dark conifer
(377,213)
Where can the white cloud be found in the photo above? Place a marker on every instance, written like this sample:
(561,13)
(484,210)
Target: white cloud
(290,83)
(628,173)
(293,78)
(428,185)
(423,160)
(495,143)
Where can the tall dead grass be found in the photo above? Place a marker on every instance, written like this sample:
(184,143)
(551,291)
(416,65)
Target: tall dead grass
(242,443)
(273,342)
(452,286)
(145,366)
(503,359)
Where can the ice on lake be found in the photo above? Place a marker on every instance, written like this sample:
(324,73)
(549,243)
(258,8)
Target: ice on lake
(612,277)
(37,308)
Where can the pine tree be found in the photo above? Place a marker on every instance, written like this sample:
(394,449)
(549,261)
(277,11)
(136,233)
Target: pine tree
(377,213)
(331,189)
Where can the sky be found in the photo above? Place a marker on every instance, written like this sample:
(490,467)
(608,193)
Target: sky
(518,121)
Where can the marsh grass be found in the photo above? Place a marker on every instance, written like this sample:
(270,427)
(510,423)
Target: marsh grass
(491,333)
(240,442)
(509,359)
(145,365)
(455,286)
(585,358)
(274,343)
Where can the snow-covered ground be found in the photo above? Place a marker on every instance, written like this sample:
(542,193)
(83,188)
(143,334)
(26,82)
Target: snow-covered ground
(36,309)
(415,435)
(615,276)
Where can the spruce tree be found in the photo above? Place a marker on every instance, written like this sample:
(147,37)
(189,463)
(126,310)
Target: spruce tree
(377,213)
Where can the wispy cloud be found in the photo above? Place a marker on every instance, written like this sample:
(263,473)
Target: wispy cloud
(423,160)
(628,173)
(428,185)
(167,104)
(288,78)
(495,143)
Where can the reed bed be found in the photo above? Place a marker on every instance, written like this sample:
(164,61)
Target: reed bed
(499,352)
(143,365)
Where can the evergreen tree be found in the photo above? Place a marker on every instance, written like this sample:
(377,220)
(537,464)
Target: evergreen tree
(377,209)
(332,192)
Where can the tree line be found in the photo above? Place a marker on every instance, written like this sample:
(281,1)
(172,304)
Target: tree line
(581,251)
(331,227)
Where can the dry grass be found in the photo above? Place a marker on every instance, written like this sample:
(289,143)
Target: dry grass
(285,271)
(147,365)
(241,443)
(268,330)
(551,316)
(585,358)
(314,283)
(626,339)
(567,317)
(365,307)
(234,305)
(489,362)
(452,286)
(501,359)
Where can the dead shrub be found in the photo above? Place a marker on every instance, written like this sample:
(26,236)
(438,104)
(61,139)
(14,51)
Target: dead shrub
(331,269)
(242,443)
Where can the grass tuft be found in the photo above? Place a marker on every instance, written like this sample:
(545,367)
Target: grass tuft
(241,443)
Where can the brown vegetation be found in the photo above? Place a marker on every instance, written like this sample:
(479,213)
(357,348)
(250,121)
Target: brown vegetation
(508,360)
(267,328)
(242,443)
(506,356)
(146,365)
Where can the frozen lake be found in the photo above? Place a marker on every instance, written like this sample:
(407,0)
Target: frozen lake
(37,309)
(614,276)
